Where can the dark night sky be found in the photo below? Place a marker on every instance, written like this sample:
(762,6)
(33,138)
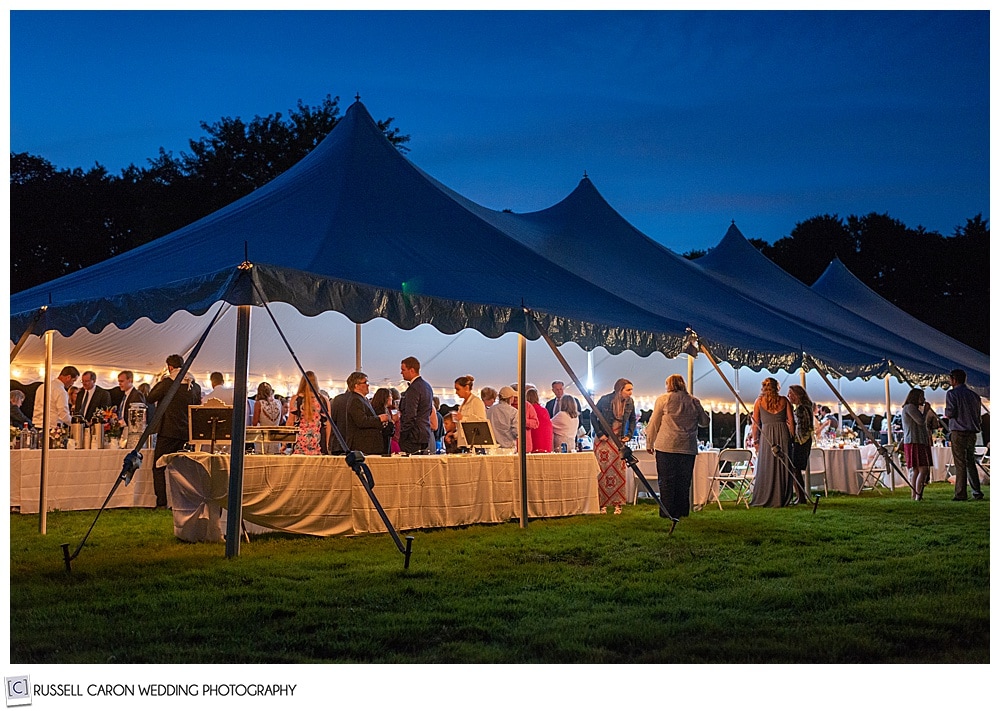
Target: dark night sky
(683,120)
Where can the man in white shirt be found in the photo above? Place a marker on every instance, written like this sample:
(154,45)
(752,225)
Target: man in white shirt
(503,418)
(58,398)
(219,389)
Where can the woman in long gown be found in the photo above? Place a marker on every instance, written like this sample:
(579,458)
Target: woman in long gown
(541,437)
(618,409)
(306,410)
(773,425)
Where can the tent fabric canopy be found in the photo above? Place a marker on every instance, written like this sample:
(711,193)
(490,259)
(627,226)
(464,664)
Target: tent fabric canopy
(356,228)
(839,285)
(740,264)
(738,328)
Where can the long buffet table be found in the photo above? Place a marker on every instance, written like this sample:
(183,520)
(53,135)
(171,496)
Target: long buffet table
(322,496)
(78,480)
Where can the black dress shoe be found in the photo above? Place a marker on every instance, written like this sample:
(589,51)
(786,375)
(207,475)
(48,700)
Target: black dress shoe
(978,496)
(960,498)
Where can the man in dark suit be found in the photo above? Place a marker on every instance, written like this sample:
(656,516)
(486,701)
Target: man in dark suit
(129,394)
(338,413)
(364,427)
(553,405)
(172,432)
(91,398)
(415,433)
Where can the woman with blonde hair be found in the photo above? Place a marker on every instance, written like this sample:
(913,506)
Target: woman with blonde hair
(672,436)
(771,433)
(305,412)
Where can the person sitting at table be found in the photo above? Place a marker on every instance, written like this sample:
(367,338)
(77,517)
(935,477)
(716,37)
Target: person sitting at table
(305,414)
(917,414)
(450,440)
(17,417)
(364,425)
(672,437)
(565,425)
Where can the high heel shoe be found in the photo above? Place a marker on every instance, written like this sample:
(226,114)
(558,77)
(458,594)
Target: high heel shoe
(618,509)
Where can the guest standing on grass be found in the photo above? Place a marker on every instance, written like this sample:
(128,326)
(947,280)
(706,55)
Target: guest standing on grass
(773,425)
(802,414)
(172,432)
(618,410)
(964,410)
(917,414)
(672,435)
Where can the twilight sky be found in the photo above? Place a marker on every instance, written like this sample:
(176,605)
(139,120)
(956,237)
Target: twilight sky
(683,120)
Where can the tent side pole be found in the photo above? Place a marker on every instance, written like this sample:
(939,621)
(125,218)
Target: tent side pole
(739,430)
(888,426)
(357,347)
(43,474)
(522,450)
(237,451)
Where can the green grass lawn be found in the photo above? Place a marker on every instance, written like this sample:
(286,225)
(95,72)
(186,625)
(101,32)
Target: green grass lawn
(867,579)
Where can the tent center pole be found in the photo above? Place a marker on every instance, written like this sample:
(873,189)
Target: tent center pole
(237,451)
(43,476)
(522,450)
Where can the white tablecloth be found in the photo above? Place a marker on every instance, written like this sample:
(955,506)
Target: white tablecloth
(322,496)
(78,479)
(842,467)
(705,465)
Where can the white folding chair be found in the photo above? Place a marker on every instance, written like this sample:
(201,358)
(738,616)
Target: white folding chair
(817,472)
(872,469)
(733,474)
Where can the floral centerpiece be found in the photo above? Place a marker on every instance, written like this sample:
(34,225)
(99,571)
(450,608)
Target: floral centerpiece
(58,436)
(937,436)
(847,436)
(113,425)
(15,435)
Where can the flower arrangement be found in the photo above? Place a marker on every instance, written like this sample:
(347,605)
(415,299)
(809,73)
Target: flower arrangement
(58,436)
(14,434)
(113,426)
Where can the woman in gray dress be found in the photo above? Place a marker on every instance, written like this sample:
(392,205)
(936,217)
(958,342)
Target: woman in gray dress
(773,425)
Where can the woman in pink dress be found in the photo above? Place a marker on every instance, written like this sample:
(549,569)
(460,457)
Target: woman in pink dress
(305,412)
(541,437)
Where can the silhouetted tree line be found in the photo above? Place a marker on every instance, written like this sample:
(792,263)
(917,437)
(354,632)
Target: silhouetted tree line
(64,220)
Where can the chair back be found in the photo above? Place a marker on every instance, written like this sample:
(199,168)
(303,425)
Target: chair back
(732,459)
(817,461)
